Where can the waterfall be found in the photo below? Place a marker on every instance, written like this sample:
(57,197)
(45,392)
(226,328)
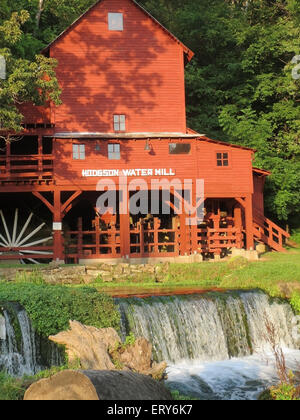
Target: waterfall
(22,350)
(216,344)
(208,327)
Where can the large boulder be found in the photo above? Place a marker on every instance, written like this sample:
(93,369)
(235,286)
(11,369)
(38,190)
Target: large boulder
(97,385)
(138,358)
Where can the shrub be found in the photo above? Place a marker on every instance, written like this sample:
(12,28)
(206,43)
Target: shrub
(10,388)
(51,307)
(295,301)
(285,392)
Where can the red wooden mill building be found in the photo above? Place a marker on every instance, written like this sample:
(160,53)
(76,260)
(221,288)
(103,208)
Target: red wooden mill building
(123,112)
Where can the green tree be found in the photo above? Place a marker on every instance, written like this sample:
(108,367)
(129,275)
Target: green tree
(26,80)
(239,85)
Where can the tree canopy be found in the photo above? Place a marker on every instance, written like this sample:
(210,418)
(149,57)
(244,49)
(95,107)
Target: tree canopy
(240,87)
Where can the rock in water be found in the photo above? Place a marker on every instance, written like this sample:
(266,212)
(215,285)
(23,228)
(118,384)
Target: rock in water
(88,344)
(92,385)
(102,349)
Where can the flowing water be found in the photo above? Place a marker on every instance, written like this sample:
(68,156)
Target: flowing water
(216,345)
(22,351)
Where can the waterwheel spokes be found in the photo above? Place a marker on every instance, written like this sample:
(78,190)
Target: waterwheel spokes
(15,240)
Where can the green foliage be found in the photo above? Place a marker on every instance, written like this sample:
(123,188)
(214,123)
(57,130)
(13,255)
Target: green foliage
(11,389)
(50,308)
(35,277)
(285,392)
(295,237)
(239,85)
(130,340)
(27,78)
(295,301)
(177,396)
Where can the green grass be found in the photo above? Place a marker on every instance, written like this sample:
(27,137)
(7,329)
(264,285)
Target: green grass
(276,273)
(13,389)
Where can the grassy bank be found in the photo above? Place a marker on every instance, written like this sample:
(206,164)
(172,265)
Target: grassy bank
(276,274)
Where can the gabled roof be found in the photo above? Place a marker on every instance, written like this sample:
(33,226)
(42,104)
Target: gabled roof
(204,138)
(261,172)
(188,52)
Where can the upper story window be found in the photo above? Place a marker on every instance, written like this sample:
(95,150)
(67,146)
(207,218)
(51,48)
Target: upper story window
(114,151)
(222,159)
(119,122)
(179,148)
(115,21)
(78,151)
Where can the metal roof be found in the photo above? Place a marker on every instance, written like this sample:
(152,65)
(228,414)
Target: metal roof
(69,135)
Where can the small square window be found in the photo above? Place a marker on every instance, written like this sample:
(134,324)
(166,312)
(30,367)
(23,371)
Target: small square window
(114,151)
(222,159)
(78,151)
(119,123)
(115,22)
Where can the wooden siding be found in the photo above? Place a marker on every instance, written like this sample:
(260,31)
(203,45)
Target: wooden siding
(138,72)
(232,181)
(258,196)
(236,180)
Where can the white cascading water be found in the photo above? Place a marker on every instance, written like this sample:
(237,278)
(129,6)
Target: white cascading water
(20,347)
(216,345)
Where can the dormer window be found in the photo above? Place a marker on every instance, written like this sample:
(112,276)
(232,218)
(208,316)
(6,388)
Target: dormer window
(115,22)
(119,123)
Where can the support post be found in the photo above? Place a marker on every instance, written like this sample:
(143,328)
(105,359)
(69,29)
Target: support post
(238,224)
(58,252)
(183,233)
(40,158)
(249,223)
(125,225)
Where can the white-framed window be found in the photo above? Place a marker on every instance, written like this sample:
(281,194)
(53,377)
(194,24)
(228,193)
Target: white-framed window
(115,22)
(78,151)
(114,151)
(119,123)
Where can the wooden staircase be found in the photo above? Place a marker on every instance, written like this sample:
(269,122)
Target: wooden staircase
(269,233)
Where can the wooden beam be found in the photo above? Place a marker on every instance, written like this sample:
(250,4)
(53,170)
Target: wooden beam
(241,201)
(69,201)
(249,223)
(44,200)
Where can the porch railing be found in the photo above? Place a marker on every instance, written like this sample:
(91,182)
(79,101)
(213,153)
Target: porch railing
(154,242)
(269,233)
(94,244)
(15,167)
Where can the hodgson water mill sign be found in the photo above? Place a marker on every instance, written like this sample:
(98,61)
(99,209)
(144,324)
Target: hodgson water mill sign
(127,172)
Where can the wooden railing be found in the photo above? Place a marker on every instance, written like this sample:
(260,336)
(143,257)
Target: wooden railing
(95,244)
(154,242)
(15,167)
(269,233)
(215,240)
(26,253)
